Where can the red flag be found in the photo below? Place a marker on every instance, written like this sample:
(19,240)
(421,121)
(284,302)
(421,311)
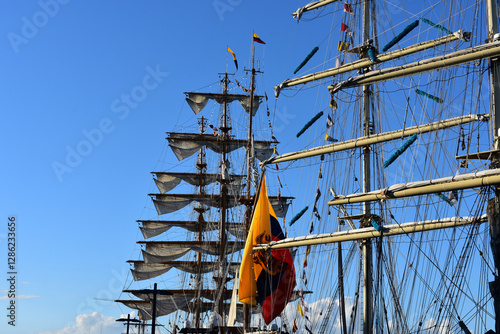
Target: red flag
(343,27)
(347,8)
(307,253)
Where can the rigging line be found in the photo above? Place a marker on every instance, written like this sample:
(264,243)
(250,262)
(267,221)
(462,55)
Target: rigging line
(458,271)
(327,36)
(437,267)
(412,16)
(289,52)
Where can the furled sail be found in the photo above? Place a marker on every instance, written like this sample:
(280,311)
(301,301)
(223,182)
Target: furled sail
(185,145)
(171,250)
(152,228)
(188,294)
(167,203)
(143,270)
(152,258)
(168,181)
(237,230)
(171,204)
(163,307)
(198,101)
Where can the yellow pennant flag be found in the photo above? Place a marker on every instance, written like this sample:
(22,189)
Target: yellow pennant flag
(299,308)
(234,57)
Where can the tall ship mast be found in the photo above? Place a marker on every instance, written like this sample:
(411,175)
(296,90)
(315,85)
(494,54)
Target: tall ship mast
(191,252)
(400,165)
(394,169)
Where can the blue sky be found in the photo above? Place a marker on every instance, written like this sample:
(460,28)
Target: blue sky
(88,90)
(66,66)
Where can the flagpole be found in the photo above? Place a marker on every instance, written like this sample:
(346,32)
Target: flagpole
(249,215)
(253,47)
(246,307)
(227,58)
(257,192)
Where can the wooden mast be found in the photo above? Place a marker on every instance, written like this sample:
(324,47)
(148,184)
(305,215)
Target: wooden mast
(493,208)
(366,244)
(248,213)
(225,130)
(201,165)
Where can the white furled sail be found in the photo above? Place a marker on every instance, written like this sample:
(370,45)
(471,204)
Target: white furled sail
(198,101)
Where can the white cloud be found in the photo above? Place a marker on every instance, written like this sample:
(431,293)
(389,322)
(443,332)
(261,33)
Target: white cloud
(316,313)
(442,327)
(133,314)
(91,323)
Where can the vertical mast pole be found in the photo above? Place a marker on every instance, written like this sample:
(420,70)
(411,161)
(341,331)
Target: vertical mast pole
(341,289)
(153,320)
(246,313)
(250,130)
(201,169)
(492,14)
(223,194)
(367,243)
(494,203)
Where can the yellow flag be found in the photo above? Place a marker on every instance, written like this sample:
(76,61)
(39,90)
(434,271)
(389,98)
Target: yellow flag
(343,46)
(259,233)
(234,57)
(299,308)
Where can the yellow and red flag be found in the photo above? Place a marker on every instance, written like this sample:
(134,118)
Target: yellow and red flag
(257,39)
(266,278)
